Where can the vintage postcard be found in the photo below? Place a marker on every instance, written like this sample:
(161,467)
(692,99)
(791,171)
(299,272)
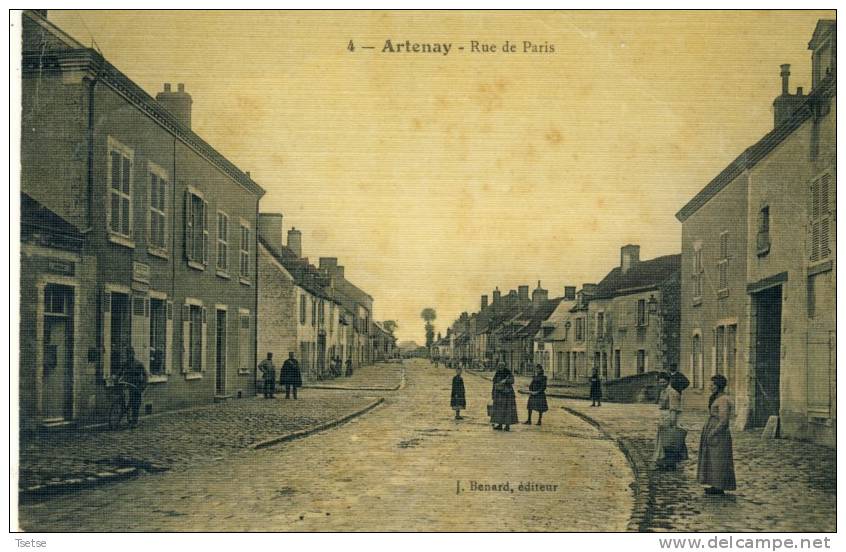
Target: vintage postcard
(426,271)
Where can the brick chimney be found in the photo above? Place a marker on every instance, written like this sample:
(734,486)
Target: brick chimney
(331,267)
(270,229)
(484,301)
(178,103)
(629,256)
(786,104)
(569,293)
(295,241)
(539,296)
(523,293)
(497,295)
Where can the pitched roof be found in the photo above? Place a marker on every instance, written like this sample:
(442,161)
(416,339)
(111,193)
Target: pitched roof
(642,275)
(528,321)
(749,158)
(40,223)
(305,275)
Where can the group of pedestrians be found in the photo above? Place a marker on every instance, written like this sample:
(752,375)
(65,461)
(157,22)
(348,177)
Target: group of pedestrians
(289,376)
(503,406)
(715,469)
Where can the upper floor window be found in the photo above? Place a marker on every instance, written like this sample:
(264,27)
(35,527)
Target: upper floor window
(580,329)
(698,271)
(313,311)
(222,241)
(600,325)
(119,205)
(641,312)
(196,229)
(245,251)
(821,222)
(158,209)
(723,264)
(763,240)
(302,310)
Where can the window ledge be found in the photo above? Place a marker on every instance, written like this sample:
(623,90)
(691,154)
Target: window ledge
(722,293)
(223,274)
(243,372)
(196,266)
(121,240)
(820,266)
(245,281)
(697,301)
(160,253)
(193,375)
(157,379)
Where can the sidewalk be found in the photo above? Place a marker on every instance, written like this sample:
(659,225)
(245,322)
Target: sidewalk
(384,376)
(782,485)
(59,461)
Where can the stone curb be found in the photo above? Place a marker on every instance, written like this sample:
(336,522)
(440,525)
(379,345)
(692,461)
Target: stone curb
(643,486)
(52,489)
(299,434)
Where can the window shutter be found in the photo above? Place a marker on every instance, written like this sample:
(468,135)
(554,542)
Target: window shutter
(188,241)
(205,232)
(205,338)
(168,337)
(107,335)
(186,337)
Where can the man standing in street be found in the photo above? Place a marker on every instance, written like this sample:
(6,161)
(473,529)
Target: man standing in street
(134,374)
(290,375)
(349,367)
(268,372)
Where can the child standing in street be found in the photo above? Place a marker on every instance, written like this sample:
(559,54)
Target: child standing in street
(457,400)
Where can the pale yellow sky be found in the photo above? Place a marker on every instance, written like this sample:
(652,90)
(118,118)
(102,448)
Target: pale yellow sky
(435,178)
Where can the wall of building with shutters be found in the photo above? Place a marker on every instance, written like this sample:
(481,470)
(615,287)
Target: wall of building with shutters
(796,181)
(173,274)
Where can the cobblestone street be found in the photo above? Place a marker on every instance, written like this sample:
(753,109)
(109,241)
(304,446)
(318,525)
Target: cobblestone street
(407,465)
(782,485)
(175,440)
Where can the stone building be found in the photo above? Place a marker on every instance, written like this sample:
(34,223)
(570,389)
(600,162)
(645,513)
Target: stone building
(358,308)
(167,222)
(297,310)
(759,266)
(551,339)
(632,319)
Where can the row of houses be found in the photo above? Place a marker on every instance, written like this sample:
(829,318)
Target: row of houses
(135,232)
(751,295)
(626,324)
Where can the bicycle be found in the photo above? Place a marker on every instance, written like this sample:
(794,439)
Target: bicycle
(119,409)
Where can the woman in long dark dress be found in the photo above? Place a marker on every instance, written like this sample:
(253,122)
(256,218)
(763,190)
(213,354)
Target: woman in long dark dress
(716,461)
(457,400)
(595,388)
(537,395)
(504,409)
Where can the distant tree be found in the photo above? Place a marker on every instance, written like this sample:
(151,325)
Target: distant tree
(429,315)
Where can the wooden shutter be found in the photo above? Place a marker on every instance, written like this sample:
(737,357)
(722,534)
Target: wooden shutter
(189,228)
(205,232)
(140,329)
(205,340)
(168,337)
(107,335)
(186,337)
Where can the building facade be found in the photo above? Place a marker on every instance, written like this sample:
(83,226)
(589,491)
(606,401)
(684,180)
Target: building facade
(765,232)
(170,221)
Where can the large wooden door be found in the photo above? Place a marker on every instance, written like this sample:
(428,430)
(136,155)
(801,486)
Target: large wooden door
(57,363)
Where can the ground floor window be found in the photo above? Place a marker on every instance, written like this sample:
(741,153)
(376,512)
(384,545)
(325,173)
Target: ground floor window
(158,341)
(617,362)
(696,362)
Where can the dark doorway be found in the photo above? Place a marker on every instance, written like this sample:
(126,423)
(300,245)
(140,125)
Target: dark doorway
(121,330)
(767,355)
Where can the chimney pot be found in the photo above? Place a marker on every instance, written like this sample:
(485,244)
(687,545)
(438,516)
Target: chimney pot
(785,78)
(180,87)
(167,87)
